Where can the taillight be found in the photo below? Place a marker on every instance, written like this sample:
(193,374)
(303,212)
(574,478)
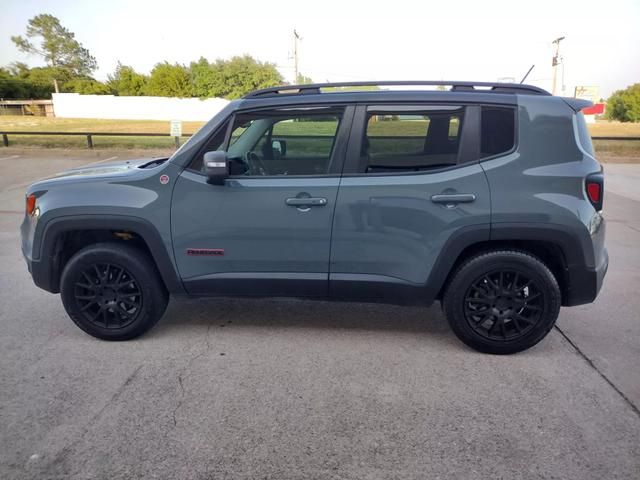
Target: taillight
(31,204)
(594,185)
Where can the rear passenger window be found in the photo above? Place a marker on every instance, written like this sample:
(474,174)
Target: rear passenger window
(412,141)
(497,130)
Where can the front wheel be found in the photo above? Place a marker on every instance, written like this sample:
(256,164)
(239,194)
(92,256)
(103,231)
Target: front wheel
(502,302)
(113,291)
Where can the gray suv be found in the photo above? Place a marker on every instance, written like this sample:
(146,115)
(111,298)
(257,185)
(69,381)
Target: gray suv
(484,196)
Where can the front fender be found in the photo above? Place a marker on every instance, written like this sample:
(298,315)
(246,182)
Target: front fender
(44,268)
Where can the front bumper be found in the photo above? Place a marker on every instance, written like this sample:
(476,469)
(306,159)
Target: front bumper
(41,273)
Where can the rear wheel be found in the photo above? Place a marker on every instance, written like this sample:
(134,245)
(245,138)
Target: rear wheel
(113,291)
(502,302)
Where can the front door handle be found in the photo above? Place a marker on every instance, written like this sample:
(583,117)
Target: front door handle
(453,198)
(306,201)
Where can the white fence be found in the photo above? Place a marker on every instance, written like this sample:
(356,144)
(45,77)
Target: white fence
(74,105)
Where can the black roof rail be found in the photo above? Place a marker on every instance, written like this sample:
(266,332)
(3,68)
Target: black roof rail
(315,88)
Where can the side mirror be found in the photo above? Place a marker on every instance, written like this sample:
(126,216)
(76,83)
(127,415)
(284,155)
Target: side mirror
(216,167)
(279,148)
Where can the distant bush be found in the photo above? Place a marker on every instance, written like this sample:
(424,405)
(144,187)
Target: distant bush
(232,78)
(126,81)
(624,105)
(168,80)
(86,86)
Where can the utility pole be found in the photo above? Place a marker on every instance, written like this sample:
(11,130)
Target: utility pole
(556,60)
(296,38)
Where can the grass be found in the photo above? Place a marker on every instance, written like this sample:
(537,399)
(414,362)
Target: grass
(52,124)
(614,129)
(47,124)
(26,124)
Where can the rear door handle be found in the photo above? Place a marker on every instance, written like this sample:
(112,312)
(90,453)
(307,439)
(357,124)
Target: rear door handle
(452,198)
(306,201)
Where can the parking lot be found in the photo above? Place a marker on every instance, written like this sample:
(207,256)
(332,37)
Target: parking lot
(289,389)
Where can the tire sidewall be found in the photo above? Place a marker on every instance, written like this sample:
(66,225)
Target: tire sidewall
(483,264)
(138,264)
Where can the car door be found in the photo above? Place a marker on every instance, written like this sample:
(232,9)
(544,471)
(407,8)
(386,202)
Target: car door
(267,230)
(411,184)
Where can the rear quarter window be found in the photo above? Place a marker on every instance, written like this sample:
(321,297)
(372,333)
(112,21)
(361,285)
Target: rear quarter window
(498,131)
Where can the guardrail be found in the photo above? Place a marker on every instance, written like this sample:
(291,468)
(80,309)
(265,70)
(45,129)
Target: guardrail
(90,135)
(616,138)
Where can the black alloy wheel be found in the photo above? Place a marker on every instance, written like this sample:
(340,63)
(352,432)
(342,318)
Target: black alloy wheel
(502,301)
(113,290)
(503,305)
(108,295)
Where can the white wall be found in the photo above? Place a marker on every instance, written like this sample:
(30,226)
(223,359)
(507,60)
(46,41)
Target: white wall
(74,105)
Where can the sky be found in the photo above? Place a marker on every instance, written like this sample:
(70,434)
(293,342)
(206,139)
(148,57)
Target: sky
(357,40)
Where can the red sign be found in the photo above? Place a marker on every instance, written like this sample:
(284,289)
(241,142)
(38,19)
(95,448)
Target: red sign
(597,109)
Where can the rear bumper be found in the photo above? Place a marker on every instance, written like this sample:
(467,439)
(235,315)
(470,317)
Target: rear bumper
(584,284)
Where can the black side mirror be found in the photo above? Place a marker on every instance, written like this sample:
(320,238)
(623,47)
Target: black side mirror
(216,167)
(279,148)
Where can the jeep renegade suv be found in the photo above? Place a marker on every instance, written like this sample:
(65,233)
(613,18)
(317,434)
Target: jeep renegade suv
(486,197)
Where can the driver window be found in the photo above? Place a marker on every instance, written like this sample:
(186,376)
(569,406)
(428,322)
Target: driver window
(283,142)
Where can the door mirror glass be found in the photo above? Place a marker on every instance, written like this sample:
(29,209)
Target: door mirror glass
(216,167)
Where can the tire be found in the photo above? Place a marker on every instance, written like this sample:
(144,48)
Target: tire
(502,302)
(113,291)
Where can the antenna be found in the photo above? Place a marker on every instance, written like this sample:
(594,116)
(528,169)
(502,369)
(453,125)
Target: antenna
(527,74)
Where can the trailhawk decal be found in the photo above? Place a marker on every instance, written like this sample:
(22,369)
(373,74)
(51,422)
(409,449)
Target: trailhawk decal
(215,252)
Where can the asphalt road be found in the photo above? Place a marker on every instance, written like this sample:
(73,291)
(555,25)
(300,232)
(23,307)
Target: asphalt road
(291,389)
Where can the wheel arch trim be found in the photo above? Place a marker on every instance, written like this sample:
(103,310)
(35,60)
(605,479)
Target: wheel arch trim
(575,248)
(46,235)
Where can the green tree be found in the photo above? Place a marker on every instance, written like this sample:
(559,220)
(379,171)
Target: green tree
(12,86)
(232,78)
(240,75)
(303,80)
(624,105)
(87,86)
(47,38)
(19,81)
(167,80)
(206,78)
(126,81)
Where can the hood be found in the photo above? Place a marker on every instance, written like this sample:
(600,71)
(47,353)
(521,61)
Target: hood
(115,169)
(100,171)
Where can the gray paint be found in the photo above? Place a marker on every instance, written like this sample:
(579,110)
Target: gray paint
(543,180)
(388,225)
(249,219)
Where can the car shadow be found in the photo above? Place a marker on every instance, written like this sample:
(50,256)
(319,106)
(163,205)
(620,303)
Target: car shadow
(295,313)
